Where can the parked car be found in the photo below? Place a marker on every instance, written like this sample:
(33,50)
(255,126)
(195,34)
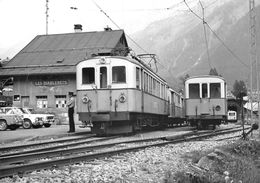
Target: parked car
(48,119)
(29,120)
(9,120)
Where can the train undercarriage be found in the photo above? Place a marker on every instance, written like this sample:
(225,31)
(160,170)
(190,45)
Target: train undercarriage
(124,123)
(204,123)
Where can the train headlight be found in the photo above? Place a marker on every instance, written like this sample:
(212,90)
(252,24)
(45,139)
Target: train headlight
(102,60)
(122,98)
(85,99)
(218,108)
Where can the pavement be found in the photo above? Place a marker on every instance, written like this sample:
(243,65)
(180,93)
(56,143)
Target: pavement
(53,132)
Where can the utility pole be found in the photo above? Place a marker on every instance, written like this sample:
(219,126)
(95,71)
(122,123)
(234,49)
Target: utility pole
(47,15)
(253,54)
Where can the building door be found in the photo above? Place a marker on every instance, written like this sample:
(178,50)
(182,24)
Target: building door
(25,101)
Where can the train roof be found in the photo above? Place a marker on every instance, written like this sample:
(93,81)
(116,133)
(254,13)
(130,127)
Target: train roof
(203,77)
(131,59)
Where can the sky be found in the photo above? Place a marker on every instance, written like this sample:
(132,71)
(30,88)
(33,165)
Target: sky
(22,20)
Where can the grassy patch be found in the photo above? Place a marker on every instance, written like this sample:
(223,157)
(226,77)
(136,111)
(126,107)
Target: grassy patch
(235,162)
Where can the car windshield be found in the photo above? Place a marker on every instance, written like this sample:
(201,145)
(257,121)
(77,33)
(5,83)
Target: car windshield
(25,111)
(17,111)
(31,111)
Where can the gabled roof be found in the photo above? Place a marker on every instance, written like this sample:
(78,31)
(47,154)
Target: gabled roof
(59,53)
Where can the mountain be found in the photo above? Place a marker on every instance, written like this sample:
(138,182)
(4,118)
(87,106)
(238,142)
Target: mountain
(179,41)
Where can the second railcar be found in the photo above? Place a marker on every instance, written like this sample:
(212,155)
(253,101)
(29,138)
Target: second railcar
(205,98)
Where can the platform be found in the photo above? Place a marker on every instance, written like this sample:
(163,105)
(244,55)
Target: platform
(53,132)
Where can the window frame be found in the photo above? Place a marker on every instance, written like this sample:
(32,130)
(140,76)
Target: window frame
(83,74)
(197,92)
(124,76)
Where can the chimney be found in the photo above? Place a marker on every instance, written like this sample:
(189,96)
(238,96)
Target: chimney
(107,29)
(77,27)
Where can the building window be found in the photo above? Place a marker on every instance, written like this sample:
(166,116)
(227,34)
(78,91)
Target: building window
(41,102)
(60,101)
(16,97)
(194,91)
(118,74)
(88,75)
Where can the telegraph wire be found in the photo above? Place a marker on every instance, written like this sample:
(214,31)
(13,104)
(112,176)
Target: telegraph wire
(102,11)
(156,61)
(215,34)
(205,34)
(209,5)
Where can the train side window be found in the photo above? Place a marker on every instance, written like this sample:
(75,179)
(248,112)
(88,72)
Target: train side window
(118,74)
(194,91)
(137,78)
(215,90)
(88,75)
(204,90)
(145,82)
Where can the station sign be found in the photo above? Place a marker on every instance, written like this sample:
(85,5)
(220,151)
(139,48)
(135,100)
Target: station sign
(50,83)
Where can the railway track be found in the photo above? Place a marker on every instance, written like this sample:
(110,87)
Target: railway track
(25,162)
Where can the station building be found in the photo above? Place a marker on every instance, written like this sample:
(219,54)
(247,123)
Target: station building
(44,71)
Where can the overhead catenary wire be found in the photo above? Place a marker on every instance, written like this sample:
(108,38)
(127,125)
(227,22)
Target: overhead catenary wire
(215,34)
(205,34)
(101,10)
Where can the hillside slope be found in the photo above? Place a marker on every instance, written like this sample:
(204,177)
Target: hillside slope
(179,41)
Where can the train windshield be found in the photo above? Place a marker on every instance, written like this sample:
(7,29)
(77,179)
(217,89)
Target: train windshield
(118,74)
(215,90)
(194,91)
(88,75)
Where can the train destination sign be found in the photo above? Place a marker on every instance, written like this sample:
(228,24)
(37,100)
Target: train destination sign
(50,83)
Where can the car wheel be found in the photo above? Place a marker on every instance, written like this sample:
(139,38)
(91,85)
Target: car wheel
(37,126)
(47,125)
(13,127)
(3,125)
(27,124)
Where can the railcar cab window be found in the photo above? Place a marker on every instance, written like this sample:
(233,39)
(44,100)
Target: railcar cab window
(204,90)
(215,90)
(194,91)
(118,74)
(88,75)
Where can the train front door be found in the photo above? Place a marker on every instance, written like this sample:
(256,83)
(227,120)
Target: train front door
(103,94)
(205,100)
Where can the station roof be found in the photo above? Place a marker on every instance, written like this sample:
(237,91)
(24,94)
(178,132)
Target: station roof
(59,53)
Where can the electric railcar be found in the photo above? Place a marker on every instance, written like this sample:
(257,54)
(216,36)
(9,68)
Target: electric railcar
(122,95)
(205,98)
(232,116)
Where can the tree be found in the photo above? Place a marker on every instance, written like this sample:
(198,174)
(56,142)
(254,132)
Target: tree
(183,78)
(239,89)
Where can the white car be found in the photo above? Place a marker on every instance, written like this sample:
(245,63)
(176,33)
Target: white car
(48,119)
(29,120)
